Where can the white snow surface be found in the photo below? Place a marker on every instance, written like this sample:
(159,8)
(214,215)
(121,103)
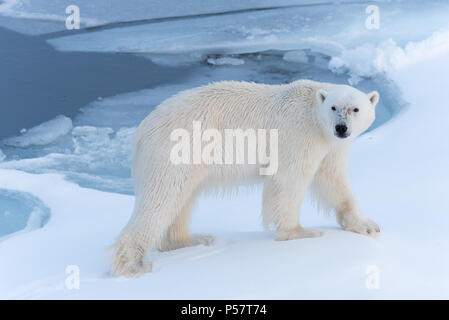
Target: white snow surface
(400,175)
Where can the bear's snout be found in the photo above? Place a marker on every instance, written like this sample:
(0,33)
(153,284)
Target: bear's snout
(341,131)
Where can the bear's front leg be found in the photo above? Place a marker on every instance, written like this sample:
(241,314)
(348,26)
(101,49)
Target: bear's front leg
(331,183)
(282,200)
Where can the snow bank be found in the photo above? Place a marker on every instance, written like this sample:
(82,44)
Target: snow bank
(368,60)
(42,134)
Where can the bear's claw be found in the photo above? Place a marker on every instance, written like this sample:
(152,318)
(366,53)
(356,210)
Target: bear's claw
(363,226)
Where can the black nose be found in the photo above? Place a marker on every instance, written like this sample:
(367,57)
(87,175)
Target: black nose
(341,129)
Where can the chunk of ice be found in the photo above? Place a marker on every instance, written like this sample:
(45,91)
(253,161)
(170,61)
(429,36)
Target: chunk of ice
(225,60)
(42,134)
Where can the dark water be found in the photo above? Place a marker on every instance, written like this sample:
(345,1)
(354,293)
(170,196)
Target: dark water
(37,82)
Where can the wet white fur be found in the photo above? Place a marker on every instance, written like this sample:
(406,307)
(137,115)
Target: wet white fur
(309,155)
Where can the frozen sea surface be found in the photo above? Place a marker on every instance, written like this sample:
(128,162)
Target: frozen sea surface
(329,28)
(49,15)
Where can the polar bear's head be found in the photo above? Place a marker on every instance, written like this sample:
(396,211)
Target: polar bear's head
(346,112)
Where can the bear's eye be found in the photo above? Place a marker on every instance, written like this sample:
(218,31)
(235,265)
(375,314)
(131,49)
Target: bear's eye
(356,109)
(333,108)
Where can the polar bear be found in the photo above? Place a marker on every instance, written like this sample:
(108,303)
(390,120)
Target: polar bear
(316,123)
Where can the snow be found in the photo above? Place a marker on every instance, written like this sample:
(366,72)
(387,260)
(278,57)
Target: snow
(398,168)
(368,60)
(42,134)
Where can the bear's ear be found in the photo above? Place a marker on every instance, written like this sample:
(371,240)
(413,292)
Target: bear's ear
(321,95)
(373,97)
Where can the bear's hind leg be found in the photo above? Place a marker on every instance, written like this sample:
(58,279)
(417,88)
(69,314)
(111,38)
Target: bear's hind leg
(145,230)
(157,207)
(129,251)
(178,235)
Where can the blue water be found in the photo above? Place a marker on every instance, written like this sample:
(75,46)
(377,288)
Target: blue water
(15,210)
